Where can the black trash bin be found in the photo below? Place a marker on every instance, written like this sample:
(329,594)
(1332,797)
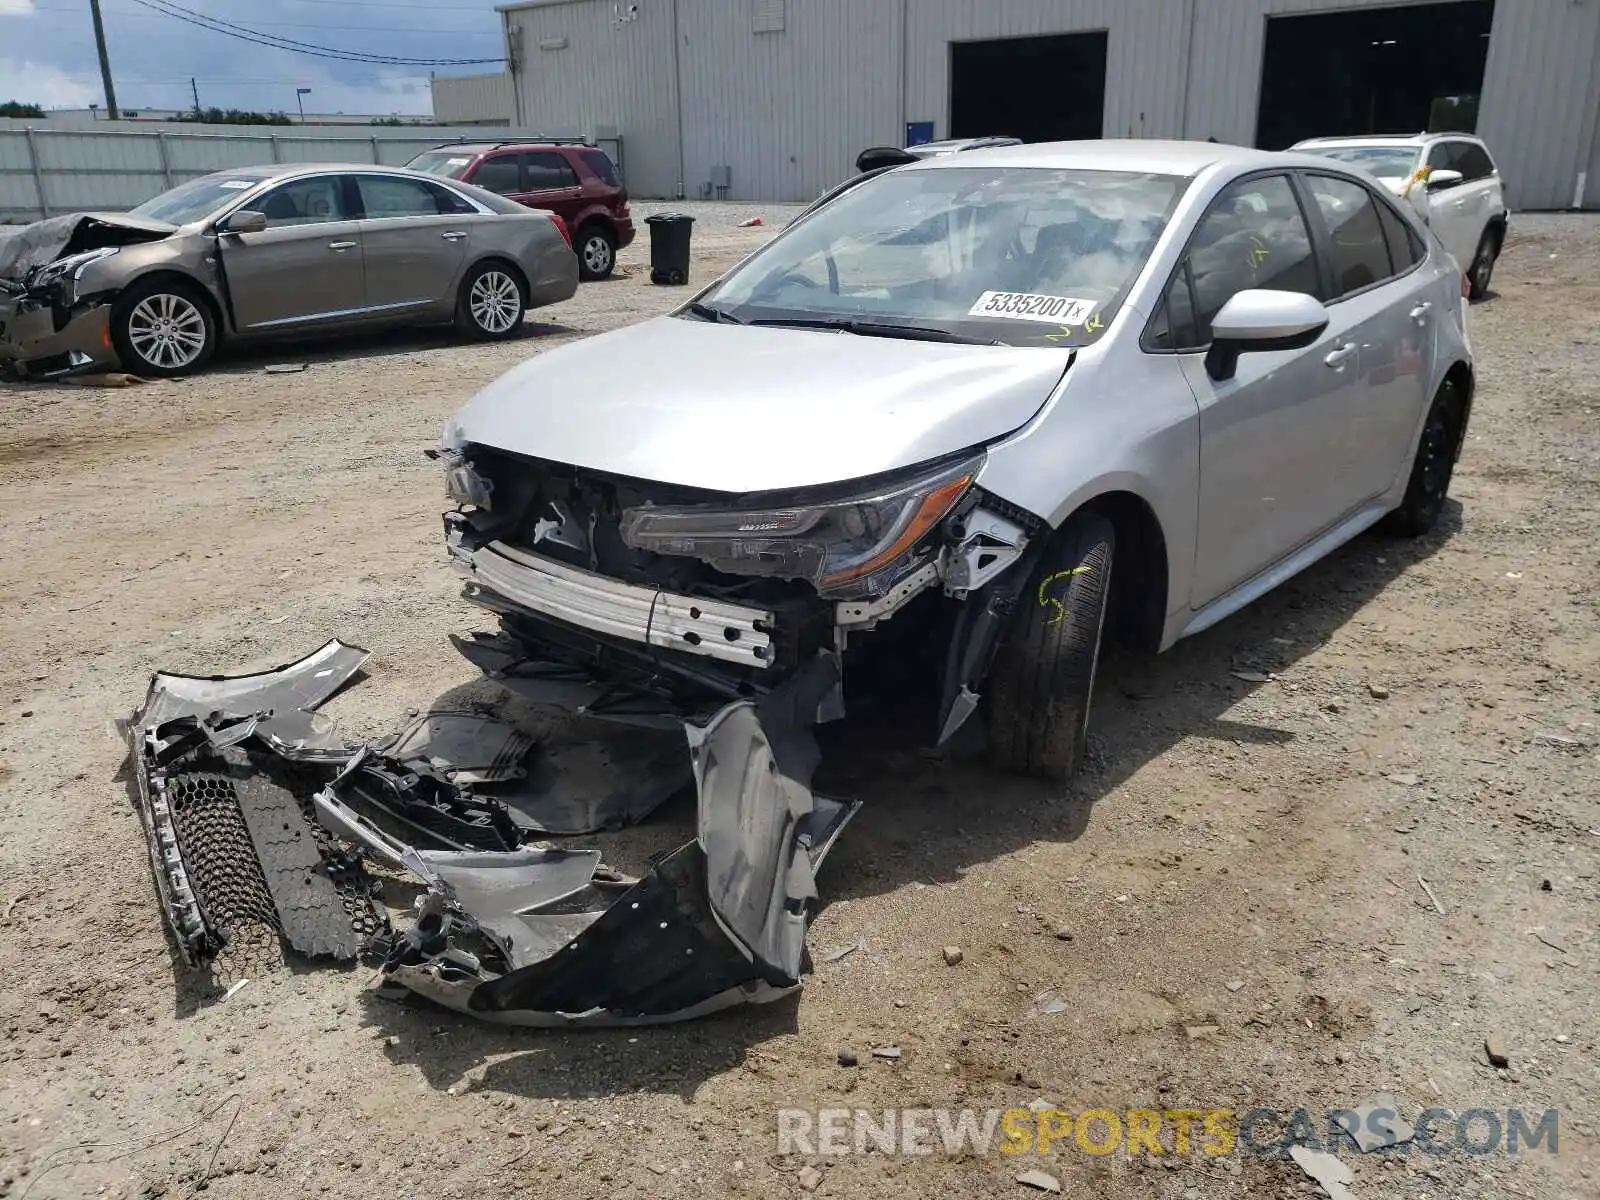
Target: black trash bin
(669,247)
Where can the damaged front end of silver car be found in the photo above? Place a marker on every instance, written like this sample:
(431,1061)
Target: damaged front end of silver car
(654,598)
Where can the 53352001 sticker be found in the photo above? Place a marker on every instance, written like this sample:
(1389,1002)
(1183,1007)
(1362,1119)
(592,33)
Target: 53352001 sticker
(1030,306)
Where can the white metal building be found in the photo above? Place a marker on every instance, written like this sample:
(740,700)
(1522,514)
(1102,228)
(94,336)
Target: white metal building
(773,99)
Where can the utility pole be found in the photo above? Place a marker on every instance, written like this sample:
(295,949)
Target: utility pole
(194,90)
(105,60)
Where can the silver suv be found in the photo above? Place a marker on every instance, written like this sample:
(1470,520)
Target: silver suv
(1449,178)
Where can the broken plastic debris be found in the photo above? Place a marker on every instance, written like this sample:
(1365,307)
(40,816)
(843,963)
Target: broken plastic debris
(1041,1181)
(1327,1170)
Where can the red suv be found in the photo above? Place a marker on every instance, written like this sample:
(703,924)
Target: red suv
(578,183)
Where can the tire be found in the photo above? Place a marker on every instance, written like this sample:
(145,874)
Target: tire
(163,328)
(1043,675)
(596,247)
(491,303)
(1429,482)
(1482,269)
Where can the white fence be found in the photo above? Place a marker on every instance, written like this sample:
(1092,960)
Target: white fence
(45,172)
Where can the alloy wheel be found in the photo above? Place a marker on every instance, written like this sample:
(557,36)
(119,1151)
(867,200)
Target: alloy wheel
(167,331)
(597,254)
(495,302)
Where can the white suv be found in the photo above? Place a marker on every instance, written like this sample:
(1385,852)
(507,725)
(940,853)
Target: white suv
(1448,178)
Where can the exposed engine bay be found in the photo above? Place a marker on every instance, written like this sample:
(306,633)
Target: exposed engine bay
(688,596)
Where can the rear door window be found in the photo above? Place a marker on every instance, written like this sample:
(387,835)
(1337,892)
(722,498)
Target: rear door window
(1472,160)
(600,163)
(546,170)
(1405,248)
(499,174)
(1359,249)
(1254,236)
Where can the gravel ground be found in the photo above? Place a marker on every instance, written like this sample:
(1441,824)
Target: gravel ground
(1242,854)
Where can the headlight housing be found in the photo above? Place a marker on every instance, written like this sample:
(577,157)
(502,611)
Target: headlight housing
(72,266)
(856,545)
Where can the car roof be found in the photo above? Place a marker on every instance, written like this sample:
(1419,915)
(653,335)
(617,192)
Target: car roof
(1143,155)
(487,147)
(291,170)
(1385,139)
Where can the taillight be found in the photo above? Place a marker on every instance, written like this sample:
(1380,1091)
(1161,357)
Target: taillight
(1466,288)
(562,226)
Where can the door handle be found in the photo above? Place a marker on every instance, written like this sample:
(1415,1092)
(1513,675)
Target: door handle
(453,235)
(1336,357)
(341,246)
(1419,314)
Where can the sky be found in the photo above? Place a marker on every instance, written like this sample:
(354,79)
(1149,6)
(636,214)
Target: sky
(47,53)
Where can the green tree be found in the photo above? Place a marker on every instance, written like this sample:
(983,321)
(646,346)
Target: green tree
(15,108)
(236,116)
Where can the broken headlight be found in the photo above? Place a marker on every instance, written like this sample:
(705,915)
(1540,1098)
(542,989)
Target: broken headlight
(71,266)
(855,545)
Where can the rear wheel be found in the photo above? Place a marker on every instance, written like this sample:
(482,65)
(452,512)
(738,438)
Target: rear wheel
(1043,675)
(491,304)
(597,252)
(163,328)
(1432,468)
(1482,269)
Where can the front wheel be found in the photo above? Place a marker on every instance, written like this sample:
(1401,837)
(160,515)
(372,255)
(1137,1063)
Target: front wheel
(491,304)
(597,252)
(1039,688)
(163,328)
(1432,468)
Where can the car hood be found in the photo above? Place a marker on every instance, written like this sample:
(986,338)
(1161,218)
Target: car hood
(737,409)
(29,246)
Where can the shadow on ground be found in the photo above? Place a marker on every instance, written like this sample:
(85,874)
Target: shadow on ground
(253,357)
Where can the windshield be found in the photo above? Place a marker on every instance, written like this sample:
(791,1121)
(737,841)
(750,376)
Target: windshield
(448,164)
(195,199)
(1386,162)
(1022,255)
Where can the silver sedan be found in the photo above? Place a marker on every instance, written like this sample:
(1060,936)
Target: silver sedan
(962,420)
(272,251)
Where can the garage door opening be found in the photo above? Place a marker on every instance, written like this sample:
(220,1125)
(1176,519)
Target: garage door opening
(1375,70)
(1040,89)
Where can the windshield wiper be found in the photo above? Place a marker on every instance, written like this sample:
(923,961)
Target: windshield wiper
(709,312)
(888,329)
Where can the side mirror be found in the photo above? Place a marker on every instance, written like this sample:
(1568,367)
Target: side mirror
(1261,319)
(1441,179)
(245,220)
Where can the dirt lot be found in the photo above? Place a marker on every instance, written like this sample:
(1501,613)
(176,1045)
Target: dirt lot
(1243,854)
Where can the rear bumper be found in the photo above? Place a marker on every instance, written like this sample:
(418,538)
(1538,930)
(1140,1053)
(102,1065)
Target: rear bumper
(730,633)
(625,232)
(34,348)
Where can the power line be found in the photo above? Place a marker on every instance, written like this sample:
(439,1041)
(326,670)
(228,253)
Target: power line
(144,16)
(275,42)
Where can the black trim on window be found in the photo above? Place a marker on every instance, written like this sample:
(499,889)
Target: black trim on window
(1324,241)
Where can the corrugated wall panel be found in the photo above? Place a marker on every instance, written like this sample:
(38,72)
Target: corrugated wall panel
(1144,54)
(610,72)
(119,168)
(787,110)
(473,99)
(1540,91)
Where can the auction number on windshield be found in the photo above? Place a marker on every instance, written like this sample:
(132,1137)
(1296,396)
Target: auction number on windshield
(1029,306)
